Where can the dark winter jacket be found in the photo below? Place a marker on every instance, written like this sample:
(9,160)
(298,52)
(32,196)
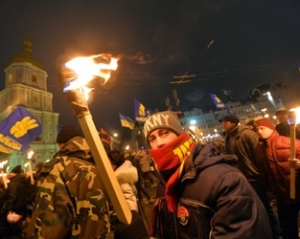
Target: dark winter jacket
(214,201)
(272,157)
(242,141)
(14,198)
(283,129)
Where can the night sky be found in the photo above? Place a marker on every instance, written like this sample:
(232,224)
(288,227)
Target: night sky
(231,45)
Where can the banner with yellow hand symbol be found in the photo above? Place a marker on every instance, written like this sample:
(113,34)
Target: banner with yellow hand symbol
(18,130)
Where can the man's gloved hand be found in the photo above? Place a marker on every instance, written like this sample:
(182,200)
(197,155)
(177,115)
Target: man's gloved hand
(294,163)
(75,97)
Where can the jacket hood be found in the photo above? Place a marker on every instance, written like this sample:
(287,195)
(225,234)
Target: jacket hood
(208,155)
(126,173)
(76,147)
(18,177)
(238,130)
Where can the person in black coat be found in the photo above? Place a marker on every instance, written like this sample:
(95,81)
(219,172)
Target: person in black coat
(283,127)
(13,199)
(202,193)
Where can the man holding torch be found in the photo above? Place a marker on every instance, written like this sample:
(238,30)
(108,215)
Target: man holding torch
(273,153)
(71,180)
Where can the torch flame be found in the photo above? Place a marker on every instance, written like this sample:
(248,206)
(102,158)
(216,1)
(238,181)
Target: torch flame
(30,154)
(87,68)
(3,163)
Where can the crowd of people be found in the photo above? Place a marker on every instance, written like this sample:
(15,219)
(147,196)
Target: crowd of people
(221,189)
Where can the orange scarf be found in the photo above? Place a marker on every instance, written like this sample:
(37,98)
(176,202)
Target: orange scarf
(170,161)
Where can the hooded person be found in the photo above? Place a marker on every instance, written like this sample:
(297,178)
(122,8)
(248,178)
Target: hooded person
(199,186)
(13,200)
(74,194)
(272,154)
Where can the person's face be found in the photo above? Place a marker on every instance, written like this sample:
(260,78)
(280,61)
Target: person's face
(159,137)
(281,118)
(228,126)
(264,132)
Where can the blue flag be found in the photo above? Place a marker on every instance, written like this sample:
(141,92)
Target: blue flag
(140,112)
(126,121)
(19,129)
(218,103)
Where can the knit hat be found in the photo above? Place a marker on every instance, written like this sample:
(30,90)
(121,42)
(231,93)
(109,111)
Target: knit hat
(230,118)
(66,133)
(265,122)
(16,169)
(163,120)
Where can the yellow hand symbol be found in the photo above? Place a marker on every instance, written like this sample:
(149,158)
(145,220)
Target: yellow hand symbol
(21,127)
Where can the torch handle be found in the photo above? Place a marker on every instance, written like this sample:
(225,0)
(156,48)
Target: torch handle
(4,179)
(104,168)
(293,156)
(30,172)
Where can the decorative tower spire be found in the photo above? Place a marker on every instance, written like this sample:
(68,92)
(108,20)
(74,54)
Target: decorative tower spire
(27,46)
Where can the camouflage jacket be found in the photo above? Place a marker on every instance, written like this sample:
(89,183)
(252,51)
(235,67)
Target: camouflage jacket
(69,202)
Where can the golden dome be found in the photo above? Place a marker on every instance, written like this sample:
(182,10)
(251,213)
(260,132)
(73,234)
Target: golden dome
(26,55)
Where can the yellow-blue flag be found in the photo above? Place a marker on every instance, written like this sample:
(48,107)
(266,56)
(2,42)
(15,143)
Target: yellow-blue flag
(18,130)
(126,121)
(218,103)
(141,113)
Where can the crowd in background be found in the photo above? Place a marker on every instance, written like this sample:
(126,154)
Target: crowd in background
(65,189)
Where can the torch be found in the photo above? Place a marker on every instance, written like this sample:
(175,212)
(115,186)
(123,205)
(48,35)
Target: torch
(292,121)
(75,75)
(30,154)
(2,173)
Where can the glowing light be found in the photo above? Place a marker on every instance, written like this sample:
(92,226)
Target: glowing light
(193,122)
(297,114)
(30,154)
(192,127)
(87,68)
(3,163)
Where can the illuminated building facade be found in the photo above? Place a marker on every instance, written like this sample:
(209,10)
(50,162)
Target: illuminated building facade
(26,86)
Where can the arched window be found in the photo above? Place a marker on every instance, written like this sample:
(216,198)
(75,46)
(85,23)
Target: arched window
(34,79)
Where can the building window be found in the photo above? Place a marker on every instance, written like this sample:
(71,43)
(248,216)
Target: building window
(10,78)
(34,79)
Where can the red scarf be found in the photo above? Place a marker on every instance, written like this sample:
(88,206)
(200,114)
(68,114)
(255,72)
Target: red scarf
(170,161)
